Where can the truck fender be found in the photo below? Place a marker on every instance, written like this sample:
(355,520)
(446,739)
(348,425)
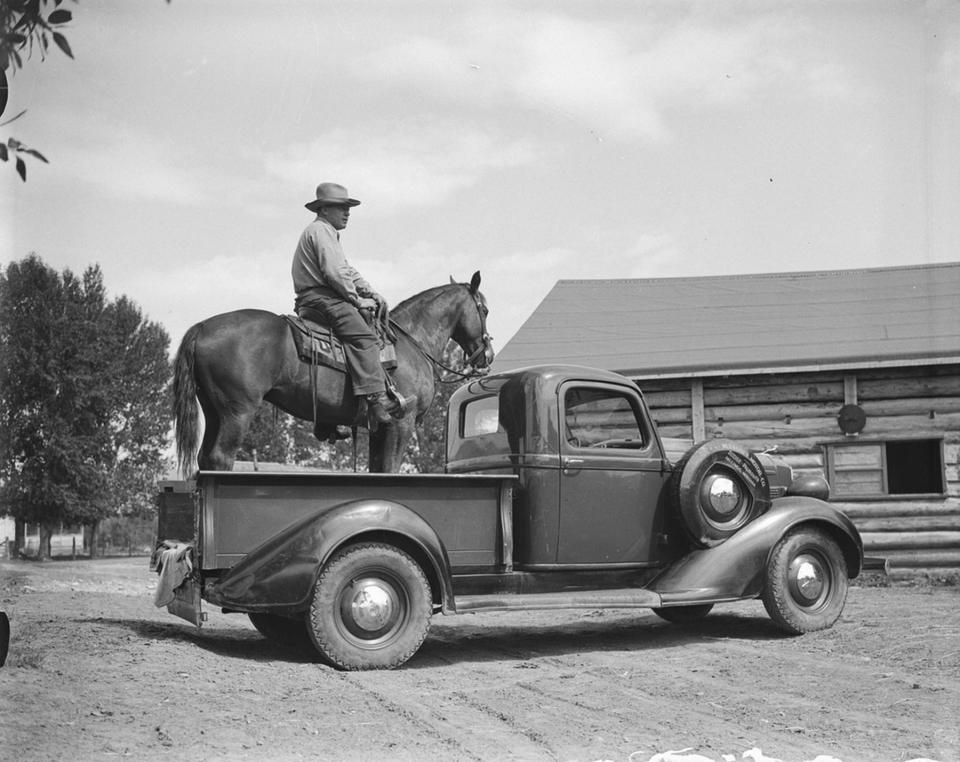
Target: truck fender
(279,575)
(735,569)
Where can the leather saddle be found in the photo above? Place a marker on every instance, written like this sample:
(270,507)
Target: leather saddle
(317,345)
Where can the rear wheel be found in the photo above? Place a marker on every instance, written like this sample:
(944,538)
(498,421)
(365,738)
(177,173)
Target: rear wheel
(371,608)
(806,585)
(684,614)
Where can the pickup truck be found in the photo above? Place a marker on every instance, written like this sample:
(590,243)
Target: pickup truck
(557,494)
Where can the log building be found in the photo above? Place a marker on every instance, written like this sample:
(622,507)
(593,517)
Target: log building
(853,374)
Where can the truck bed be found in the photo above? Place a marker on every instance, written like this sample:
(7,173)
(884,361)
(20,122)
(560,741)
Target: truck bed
(240,510)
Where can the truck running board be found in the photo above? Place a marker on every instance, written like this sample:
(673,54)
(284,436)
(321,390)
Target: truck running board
(630,598)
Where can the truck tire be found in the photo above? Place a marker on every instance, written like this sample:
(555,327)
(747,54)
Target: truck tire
(717,488)
(806,581)
(281,629)
(684,614)
(371,608)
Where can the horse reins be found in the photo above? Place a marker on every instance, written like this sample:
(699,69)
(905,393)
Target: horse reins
(486,340)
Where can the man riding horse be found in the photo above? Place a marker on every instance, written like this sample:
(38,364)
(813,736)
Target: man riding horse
(330,291)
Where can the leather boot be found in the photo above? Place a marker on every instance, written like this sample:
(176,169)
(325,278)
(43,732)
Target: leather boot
(377,408)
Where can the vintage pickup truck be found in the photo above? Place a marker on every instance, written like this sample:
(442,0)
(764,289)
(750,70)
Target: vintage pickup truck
(558,494)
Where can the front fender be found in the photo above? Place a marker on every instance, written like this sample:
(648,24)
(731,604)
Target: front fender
(735,569)
(279,575)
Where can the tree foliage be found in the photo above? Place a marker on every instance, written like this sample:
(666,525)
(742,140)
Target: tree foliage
(27,26)
(83,394)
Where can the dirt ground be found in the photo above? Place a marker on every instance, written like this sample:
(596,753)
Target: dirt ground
(95,671)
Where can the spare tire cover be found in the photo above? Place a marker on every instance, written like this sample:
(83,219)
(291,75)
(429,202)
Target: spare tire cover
(706,467)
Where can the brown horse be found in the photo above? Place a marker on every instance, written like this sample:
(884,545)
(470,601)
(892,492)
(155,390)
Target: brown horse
(231,362)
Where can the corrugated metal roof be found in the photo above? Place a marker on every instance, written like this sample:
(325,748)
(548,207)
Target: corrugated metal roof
(746,323)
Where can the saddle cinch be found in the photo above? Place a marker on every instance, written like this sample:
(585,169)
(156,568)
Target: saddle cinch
(317,345)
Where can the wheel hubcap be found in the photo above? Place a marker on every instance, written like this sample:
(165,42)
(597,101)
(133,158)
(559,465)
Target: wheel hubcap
(371,610)
(809,580)
(372,607)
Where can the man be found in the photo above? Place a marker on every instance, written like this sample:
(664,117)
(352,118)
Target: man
(330,291)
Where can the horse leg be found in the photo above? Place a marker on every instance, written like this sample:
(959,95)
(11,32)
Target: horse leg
(387,444)
(222,436)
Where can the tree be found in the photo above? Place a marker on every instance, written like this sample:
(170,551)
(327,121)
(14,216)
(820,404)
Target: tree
(83,395)
(25,26)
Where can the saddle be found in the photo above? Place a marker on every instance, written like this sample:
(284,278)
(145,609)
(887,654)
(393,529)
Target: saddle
(317,345)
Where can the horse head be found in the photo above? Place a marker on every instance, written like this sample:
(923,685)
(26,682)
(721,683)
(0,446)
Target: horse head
(470,331)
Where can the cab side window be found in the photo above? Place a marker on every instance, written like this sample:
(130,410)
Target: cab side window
(596,417)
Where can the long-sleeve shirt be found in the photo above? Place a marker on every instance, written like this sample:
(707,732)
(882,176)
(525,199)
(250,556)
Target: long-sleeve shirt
(319,261)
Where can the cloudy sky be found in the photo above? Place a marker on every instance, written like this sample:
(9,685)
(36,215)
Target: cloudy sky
(533,141)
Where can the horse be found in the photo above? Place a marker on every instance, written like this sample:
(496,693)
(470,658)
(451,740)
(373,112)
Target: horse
(230,362)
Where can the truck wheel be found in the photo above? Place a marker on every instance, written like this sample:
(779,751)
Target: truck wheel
(281,629)
(806,583)
(718,488)
(684,614)
(371,608)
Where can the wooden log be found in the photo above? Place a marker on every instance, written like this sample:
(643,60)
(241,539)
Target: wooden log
(772,393)
(949,523)
(822,428)
(671,415)
(925,558)
(667,399)
(911,406)
(886,509)
(774,412)
(910,540)
(869,389)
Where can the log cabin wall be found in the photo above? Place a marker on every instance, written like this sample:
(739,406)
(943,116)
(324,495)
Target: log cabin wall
(898,478)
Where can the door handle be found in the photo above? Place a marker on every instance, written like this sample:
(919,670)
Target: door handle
(570,464)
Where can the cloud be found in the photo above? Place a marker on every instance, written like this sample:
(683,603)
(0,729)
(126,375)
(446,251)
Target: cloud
(430,158)
(620,77)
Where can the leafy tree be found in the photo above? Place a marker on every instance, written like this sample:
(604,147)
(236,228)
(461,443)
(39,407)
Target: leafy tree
(27,26)
(83,395)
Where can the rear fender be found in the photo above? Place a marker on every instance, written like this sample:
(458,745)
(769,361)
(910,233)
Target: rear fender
(278,576)
(735,569)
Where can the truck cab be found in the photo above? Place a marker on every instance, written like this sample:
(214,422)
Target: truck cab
(591,466)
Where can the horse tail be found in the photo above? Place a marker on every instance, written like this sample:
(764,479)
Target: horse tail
(185,403)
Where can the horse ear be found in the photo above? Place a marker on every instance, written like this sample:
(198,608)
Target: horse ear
(453,281)
(475,282)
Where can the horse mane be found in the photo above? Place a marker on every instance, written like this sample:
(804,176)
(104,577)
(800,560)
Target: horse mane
(403,309)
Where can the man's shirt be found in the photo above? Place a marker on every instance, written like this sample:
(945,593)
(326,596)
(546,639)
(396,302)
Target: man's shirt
(319,261)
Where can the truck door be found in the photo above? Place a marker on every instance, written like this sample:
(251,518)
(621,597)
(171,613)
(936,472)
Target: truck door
(611,476)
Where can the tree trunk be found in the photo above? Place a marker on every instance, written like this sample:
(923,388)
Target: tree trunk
(94,531)
(19,537)
(43,544)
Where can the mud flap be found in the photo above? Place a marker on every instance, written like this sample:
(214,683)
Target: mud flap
(186,602)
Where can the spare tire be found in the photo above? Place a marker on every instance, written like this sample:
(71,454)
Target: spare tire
(717,488)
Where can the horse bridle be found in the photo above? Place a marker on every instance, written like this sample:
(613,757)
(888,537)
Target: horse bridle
(485,344)
(486,340)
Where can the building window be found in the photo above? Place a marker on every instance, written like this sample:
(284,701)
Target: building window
(880,469)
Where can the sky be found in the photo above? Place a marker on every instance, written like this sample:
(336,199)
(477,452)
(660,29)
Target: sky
(532,141)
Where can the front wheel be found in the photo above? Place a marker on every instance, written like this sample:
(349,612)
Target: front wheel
(371,608)
(806,584)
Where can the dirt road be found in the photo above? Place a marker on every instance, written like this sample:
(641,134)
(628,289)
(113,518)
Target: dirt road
(96,672)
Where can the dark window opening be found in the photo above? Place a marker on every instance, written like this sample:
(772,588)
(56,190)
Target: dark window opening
(913,468)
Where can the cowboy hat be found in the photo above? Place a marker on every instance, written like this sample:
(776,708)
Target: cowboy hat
(330,194)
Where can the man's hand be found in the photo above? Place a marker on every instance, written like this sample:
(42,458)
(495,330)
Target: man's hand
(381,302)
(367,304)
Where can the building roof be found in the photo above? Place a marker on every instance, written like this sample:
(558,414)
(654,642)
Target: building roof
(720,325)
